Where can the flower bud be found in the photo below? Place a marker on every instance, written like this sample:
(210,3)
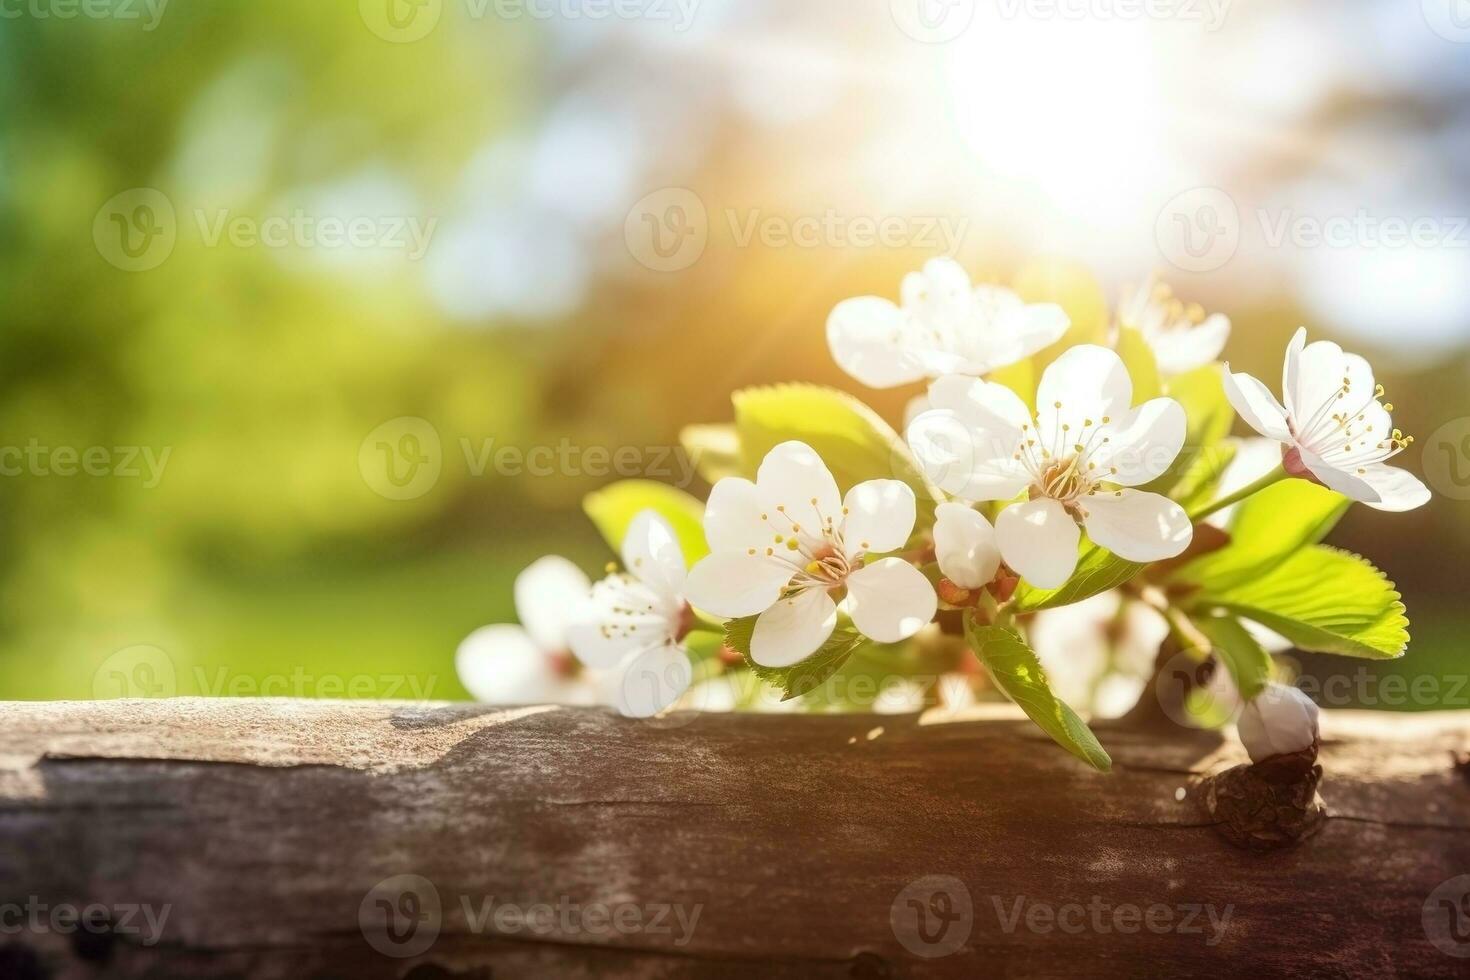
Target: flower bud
(1280,721)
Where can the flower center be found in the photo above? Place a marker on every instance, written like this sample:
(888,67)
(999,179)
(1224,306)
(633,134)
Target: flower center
(1063,480)
(828,565)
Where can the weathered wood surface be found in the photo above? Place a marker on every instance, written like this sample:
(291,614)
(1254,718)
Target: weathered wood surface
(263,827)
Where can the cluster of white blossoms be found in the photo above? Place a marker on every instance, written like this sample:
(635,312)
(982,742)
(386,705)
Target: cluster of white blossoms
(1015,489)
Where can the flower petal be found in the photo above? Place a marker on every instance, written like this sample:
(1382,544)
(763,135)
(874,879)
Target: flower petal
(1398,490)
(1255,404)
(1181,350)
(1333,478)
(651,553)
(964,544)
(965,462)
(1087,380)
(1039,540)
(732,518)
(880,516)
(731,583)
(984,405)
(890,600)
(796,488)
(793,629)
(869,339)
(1141,444)
(653,680)
(1136,525)
(544,591)
(502,665)
(622,615)
(1312,376)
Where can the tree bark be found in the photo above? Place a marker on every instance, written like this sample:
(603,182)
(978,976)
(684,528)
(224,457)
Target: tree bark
(270,837)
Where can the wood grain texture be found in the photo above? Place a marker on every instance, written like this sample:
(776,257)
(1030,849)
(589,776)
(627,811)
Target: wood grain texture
(263,826)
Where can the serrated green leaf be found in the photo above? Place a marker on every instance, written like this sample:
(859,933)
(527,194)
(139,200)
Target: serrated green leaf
(613,508)
(1209,417)
(854,442)
(1248,662)
(714,450)
(1143,368)
(1266,528)
(804,677)
(1018,673)
(1098,570)
(1324,600)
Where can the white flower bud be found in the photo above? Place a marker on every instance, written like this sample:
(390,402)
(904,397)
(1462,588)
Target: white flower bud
(1281,720)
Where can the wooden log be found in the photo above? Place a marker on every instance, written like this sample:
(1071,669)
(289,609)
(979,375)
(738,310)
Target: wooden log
(278,838)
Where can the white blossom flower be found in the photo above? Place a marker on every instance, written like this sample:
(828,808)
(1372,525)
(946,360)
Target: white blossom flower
(1279,721)
(635,621)
(1077,459)
(1182,337)
(1334,428)
(964,546)
(1099,653)
(785,544)
(531,663)
(943,326)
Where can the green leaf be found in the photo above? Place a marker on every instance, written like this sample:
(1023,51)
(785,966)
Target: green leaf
(809,674)
(1197,487)
(1138,358)
(1018,673)
(1324,600)
(854,442)
(1266,528)
(1098,570)
(1020,378)
(1209,417)
(613,508)
(714,450)
(1248,662)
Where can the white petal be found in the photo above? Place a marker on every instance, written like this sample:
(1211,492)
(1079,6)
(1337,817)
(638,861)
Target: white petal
(1039,540)
(938,294)
(1178,351)
(1253,459)
(985,405)
(544,593)
(964,544)
(870,340)
(1348,484)
(622,615)
(793,629)
(1315,375)
(880,516)
(653,680)
(651,553)
(1038,327)
(1398,490)
(1141,444)
(916,406)
(966,462)
(1087,380)
(1255,404)
(732,518)
(890,600)
(796,488)
(1136,525)
(730,583)
(503,665)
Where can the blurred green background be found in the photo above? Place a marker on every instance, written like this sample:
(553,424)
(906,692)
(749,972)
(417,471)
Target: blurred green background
(264,553)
